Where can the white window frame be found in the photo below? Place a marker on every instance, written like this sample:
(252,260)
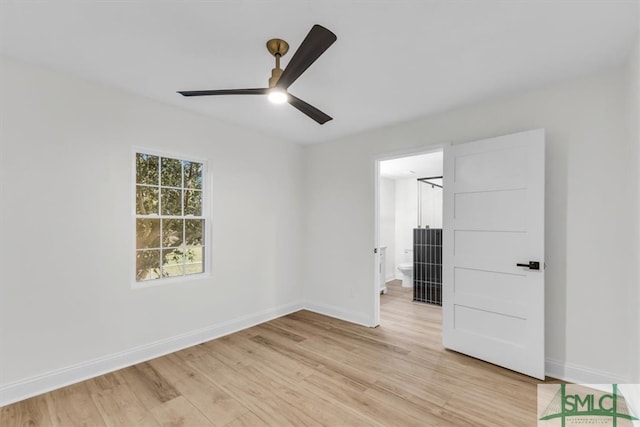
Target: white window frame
(206,215)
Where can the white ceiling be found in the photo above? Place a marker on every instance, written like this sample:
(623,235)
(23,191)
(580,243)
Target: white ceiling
(413,167)
(393,60)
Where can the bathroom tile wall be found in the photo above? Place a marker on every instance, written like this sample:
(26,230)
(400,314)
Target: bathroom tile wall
(427,265)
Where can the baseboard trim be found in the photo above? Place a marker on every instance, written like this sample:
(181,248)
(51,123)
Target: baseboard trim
(340,313)
(33,386)
(581,374)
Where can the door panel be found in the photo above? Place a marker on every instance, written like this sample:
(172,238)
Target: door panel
(493,220)
(502,286)
(492,209)
(491,170)
(490,325)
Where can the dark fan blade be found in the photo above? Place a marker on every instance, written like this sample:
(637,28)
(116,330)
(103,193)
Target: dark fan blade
(317,41)
(309,110)
(261,91)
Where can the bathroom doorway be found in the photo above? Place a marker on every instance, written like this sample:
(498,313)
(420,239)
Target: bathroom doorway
(409,228)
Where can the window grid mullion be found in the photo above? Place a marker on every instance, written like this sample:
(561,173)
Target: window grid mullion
(168,217)
(184,244)
(160,214)
(183,221)
(163,186)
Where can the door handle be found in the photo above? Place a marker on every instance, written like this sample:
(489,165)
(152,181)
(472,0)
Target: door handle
(532,265)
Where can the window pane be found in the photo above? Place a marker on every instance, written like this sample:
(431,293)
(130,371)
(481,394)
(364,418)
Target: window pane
(193,202)
(194,261)
(171,201)
(147,233)
(147,265)
(171,232)
(192,174)
(171,172)
(146,200)
(146,169)
(194,232)
(172,263)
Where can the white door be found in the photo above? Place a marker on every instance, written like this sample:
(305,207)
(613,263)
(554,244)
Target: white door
(493,221)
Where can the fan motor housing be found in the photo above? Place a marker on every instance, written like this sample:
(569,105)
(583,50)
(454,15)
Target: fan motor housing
(275,76)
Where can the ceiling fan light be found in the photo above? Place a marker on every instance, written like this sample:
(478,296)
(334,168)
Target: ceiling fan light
(277,96)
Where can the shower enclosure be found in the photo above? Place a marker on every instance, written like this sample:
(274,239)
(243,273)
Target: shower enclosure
(430,202)
(427,242)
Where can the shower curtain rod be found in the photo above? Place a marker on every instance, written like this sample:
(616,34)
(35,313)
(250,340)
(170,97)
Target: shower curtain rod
(425,180)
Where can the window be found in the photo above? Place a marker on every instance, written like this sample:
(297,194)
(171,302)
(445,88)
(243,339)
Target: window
(170,225)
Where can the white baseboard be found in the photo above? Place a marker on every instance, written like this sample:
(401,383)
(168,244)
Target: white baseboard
(339,313)
(33,386)
(581,374)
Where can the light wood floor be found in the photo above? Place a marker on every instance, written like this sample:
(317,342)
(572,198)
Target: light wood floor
(301,369)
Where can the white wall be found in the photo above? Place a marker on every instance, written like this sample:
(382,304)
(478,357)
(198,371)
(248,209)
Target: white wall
(633,77)
(66,255)
(590,209)
(406,220)
(635,118)
(387,215)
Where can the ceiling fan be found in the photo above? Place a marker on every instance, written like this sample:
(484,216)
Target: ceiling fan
(317,41)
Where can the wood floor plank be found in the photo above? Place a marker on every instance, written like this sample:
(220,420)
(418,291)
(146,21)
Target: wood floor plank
(247,420)
(415,389)
(211,400)
(119,406)
(227,353)
(262,402)
(320,361)
(73,406)
(151,388)
(284,332)
(377,412)
(428,415)
(301,369)
(179,412)
(262,355)
(33,412)
(103,382)
(311,409)
(297,327)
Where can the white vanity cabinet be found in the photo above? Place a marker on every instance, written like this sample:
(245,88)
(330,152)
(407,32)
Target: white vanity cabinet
(383,269)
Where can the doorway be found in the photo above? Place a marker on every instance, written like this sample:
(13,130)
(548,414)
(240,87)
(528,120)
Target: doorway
(493,249)
(409,227)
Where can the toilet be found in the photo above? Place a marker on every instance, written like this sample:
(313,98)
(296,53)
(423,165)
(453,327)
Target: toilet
(406,268)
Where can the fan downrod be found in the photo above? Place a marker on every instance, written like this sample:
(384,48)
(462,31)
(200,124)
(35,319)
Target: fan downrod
(278,48)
